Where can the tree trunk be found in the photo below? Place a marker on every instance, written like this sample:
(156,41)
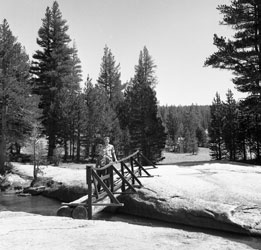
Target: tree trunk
(257,139)
(73,142)
(51,146)
(65,150)
(244,149)
(35,167)
(78,155)
(3,138)
(219,151)
(17,148)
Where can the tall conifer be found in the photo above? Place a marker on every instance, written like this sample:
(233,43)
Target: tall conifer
(242,55)
(145,127)
(216,140)
(109,83)
(109,78)
(16,101)
(53,68)
(230,127)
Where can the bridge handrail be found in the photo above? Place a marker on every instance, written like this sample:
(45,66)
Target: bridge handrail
(113,162)
(125,159)
(129,156)
(105,167)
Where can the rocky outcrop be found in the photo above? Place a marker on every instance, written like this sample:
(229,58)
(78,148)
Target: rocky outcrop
(218,196)
(13,181)
(241,219)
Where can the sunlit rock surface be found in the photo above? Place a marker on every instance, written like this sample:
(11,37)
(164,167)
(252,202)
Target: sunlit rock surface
(14,181)
(212,195)
(23,231)
(207,194)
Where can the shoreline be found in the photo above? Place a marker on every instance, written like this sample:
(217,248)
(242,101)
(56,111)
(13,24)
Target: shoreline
(189,193)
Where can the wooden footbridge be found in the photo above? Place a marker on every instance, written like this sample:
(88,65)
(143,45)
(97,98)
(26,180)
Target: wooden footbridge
(106,184)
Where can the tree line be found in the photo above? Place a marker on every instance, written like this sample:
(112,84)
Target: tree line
(43,97)
(236,126)
(234,130)
(186,126)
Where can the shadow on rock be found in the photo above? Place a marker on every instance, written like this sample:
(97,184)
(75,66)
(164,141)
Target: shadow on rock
(184,211)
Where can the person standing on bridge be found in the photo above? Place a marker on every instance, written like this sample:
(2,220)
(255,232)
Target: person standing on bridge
(108,149)
(106,154)
(101,161)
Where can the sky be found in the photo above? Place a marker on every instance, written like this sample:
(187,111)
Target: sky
(178,35)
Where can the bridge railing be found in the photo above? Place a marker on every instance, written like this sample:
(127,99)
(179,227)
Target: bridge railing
(114,179)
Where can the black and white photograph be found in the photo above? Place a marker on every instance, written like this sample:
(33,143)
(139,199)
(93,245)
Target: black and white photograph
(130,124)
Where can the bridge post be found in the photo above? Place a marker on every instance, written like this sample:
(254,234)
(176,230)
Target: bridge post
(139,161)
(89,183)
(111,180)
(122,172)
(132,169)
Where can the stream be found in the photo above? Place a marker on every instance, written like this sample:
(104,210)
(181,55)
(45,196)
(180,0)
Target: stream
(29,204)
(45,206)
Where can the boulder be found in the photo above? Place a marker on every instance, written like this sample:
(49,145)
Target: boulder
(236,219)
(223,196)
(14,181)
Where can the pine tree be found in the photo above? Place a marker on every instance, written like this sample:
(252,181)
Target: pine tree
(70,114)
(99,116)
(243,140)
(230,127)
(201,136)
(16,101)
(109,78)
(67,119)
(216,141)
(53,69)
(109,81)
(89,126)
(190,125)
(253,129)
(242,56)
(145,127)
(172,125)
(76,75)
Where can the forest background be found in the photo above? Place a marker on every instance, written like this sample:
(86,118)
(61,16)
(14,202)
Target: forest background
(43,97)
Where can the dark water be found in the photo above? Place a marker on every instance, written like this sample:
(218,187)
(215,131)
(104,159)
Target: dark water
(29,204)
(46,206)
